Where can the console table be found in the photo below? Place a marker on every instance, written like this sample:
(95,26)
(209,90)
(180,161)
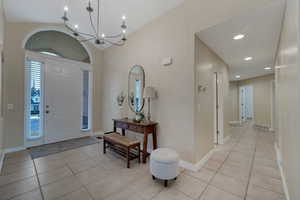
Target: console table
(144,128)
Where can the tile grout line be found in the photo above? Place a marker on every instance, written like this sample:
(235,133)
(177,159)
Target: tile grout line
(251,169)
(74,174)
(39,183)
(216,172)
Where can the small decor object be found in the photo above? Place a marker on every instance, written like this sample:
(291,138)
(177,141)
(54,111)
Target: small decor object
(121,99)
(164,164)
(131,99)
(149,94)
(118,39)
(139,117)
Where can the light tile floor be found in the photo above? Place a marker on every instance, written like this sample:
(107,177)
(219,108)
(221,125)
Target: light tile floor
(243,169)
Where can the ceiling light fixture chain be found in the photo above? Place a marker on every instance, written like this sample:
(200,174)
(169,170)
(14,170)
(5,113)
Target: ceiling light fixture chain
(118,39)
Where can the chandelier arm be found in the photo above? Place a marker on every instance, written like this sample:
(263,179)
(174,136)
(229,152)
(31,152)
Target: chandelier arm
(92,24)
(86,40)
(120,43)
(73,31)
(98,18)
(114,36)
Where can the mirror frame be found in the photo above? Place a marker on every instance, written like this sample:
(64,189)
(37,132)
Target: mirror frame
(143,84)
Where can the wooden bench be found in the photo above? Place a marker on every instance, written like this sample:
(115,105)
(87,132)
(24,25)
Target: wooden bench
(123,145)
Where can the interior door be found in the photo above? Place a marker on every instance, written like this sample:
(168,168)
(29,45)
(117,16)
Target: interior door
(242,104)
(63,97)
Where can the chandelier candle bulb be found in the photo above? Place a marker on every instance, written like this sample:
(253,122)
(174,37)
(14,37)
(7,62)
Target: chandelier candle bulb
(66,9)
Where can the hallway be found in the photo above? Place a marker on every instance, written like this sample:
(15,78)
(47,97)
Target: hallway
(245,166)
(243,169)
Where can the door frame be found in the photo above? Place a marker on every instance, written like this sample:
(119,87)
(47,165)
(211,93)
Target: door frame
(30,55)
(251,103)
(218,108)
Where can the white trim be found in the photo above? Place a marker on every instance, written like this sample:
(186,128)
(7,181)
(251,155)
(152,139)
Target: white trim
(98,133)
(1,160)
(43,58)
(283,178)
(198,165)
(9,150)
(14,149)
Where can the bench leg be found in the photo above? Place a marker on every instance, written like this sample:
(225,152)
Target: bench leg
(139,153)
(104,147)
(127,157)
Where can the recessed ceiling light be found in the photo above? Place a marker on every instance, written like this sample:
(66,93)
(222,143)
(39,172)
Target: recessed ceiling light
(268,68)
(248,58)
(238,37)
(237,76)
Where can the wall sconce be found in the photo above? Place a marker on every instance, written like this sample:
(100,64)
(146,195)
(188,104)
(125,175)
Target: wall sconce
(201,88)
(121,98)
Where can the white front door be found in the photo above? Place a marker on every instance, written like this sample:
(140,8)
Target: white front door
(63,86)
(62,109)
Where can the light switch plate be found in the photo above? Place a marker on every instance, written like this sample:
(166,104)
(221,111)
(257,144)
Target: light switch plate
(167,61)
(10,106)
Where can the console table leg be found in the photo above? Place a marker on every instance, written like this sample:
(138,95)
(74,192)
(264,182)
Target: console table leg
(154,136)
(145,147)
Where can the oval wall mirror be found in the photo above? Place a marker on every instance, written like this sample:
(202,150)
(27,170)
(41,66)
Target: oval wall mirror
(136,85)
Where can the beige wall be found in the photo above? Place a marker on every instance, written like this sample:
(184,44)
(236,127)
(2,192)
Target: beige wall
(288,98)
(2,18)
(206,64)
(234,98)
(169,35)
(262,98)
(14,54)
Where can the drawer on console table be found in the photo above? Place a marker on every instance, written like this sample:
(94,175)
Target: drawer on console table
(121,125)
(136,128)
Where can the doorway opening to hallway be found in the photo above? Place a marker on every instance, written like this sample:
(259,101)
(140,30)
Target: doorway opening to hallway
(246,103)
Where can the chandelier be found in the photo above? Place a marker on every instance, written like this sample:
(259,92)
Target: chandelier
(117,39)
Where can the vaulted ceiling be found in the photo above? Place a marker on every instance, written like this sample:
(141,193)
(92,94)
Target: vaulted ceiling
(138,12)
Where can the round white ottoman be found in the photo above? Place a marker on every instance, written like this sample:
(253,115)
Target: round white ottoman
(164,164)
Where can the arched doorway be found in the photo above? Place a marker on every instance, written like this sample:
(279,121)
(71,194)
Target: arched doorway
(58,93)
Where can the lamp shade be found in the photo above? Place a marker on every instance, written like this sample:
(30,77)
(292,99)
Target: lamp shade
(149,92)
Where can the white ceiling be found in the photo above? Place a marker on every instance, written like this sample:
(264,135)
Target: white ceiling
(138,12)
(261,28)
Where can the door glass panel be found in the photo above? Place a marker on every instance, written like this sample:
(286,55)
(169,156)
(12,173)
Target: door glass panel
(35,122)
(85,102)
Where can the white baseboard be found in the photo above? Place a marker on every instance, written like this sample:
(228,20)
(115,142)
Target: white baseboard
(262,127)
(1,160)
(98,133)
(279,163)
(198,165)
(11,150)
